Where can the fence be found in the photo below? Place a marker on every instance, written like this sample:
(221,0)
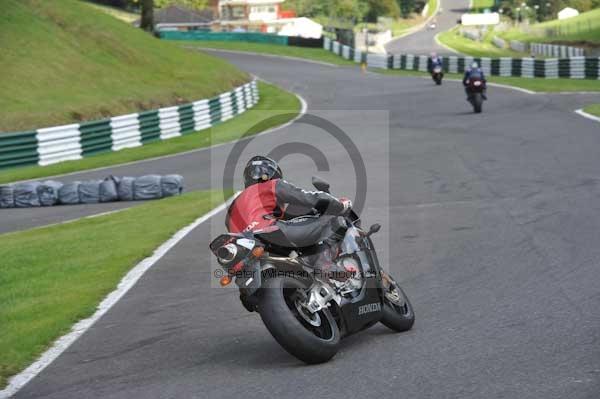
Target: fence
(75,141)
(251,37)
(574,67)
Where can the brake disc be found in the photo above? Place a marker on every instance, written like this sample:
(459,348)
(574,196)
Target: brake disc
(311,318)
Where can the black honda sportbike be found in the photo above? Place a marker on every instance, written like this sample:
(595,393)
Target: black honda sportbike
(308,309)
(437,74)
(475,92)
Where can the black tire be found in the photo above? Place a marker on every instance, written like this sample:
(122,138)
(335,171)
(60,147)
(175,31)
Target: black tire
(477,102)
(439,82)
(398,316)
(308,343)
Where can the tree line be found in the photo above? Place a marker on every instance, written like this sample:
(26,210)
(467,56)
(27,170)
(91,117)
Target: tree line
(355,10)
(541,10)
(352,11)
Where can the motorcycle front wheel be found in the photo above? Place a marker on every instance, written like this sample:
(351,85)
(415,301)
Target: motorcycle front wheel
(398,313)
(311,337)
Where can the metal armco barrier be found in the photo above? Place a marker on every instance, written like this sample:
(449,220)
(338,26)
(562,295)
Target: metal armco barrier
(552,68)
(518,46)
(75,141)
(498,42)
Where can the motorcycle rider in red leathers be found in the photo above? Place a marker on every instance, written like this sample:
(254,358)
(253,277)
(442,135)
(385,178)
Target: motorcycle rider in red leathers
(268,200)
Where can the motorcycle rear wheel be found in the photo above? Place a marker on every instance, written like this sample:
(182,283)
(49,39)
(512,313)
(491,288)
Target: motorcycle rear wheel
(477,102)
(398,313)
(312,338)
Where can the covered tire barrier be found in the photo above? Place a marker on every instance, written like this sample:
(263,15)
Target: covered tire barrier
(110,189)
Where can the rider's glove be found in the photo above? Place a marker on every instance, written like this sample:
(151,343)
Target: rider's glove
(346,203)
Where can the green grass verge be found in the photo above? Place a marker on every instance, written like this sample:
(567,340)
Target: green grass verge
(316,54)
(65,61)
(533,84)
(481,5)
(593,109)
(432,7)
(53,276)
(453,39)
(400,26)
(276,105)
(582,29)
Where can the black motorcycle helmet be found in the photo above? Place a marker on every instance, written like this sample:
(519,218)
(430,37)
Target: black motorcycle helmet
(261,169)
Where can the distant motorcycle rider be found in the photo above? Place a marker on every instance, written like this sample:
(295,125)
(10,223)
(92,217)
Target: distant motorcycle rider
(475,72)
(434,61)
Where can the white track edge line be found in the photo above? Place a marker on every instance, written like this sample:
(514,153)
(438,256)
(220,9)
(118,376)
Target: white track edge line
(419,27)
(439,43)
(127,282)
(303,109)
(586,115)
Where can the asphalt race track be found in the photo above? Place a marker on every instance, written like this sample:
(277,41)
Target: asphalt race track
(422,41)
(491,223)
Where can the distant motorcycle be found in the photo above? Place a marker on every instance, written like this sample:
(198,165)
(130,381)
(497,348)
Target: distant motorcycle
(475,87)
(437,74)
(308,312)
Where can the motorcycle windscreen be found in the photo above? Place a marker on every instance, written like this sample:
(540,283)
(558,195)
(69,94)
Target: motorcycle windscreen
(350,244)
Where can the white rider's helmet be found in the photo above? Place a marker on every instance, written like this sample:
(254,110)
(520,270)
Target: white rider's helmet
(474,65)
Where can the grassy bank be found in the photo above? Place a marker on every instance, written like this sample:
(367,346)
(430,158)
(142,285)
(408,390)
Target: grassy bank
(593,109)
(432,4)
(51,277)
(315,54)
(583,29)
(125,16)
(453,39)
(533,84)
(276,106)
(64,61)
(481,5)
(400,26)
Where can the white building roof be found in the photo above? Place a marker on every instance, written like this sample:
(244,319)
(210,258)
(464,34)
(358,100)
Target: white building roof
(249,2)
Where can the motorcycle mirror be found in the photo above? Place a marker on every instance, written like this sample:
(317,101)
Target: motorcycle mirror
(320,184)
(374,229)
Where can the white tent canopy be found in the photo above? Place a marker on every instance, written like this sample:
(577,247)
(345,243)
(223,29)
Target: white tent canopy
(303,27)
(567,12)
(490,18)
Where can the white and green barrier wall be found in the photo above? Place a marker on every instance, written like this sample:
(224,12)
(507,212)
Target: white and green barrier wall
(69,142)
(249,37)
(574,67)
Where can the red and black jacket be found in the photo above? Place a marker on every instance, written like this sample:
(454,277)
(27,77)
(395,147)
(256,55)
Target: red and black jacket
(262,204)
